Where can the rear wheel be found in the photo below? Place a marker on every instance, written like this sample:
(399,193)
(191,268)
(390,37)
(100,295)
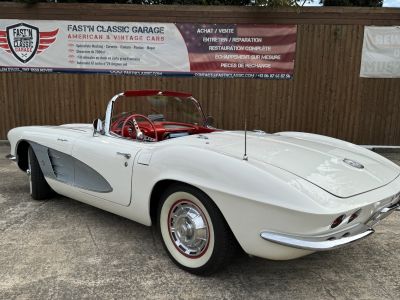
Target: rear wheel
(193,230)
(38,186)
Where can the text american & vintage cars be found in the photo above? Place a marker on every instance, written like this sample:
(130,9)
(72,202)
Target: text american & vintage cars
(157,160)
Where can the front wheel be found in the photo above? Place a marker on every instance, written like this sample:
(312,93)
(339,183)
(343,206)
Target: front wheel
(38,186)
(193,230)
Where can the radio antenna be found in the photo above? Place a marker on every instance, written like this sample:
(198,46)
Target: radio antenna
(245,138)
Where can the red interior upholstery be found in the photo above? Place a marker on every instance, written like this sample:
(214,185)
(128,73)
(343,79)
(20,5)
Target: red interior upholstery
(161,130)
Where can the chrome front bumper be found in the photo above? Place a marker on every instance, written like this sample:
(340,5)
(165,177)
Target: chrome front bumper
(336,240)
(11,157)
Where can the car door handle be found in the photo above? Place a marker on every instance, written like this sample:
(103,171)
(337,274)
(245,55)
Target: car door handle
(126,155)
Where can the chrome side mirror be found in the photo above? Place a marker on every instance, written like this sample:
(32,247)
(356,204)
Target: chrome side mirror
(210,121)
(97,127)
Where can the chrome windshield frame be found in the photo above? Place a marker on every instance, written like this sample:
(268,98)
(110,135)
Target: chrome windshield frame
(110,106)
(107,121)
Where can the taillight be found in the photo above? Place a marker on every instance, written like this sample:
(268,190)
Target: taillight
(354,215)
(338,221)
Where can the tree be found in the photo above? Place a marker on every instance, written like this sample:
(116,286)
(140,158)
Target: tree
(370,3)
(270,3)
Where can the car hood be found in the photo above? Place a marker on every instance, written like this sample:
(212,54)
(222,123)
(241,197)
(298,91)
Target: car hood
(319,163)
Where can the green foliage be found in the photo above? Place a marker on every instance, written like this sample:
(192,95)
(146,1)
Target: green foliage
(197,2)
(370,3)
(81,1)
(270,3)
(278,3)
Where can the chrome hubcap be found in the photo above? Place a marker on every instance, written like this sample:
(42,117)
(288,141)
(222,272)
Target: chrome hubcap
(188,228)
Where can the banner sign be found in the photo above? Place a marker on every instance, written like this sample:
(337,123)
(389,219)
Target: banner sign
(381,52)
(155,49)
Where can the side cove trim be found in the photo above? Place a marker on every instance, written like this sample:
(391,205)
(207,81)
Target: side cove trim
(67,169)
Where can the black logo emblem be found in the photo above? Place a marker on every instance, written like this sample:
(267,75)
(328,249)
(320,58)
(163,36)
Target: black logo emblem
(24,41)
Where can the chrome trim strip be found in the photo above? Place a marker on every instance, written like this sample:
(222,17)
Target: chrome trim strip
(107,120)
(200,108)
(383,213)
(380,147)
(314,245)
(11,157)
(391,208)
(126,155)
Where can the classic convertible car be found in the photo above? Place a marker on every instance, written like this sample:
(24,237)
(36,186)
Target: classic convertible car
(156,159)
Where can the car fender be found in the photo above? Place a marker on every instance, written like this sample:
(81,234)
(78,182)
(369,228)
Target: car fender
(222,178)
(251,198)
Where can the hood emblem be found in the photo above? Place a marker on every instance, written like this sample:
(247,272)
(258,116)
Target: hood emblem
(353,163)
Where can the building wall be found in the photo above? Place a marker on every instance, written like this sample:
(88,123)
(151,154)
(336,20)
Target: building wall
(326,96)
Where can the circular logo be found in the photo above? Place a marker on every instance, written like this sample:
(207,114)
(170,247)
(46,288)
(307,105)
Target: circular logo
(353,163)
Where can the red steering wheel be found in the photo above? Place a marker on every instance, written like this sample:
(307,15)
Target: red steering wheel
(142,133)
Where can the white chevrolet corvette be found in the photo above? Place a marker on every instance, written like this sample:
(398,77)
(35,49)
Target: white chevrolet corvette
(155,159)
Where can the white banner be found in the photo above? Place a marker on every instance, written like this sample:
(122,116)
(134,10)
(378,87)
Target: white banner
(155,49)
(381,52)
(92,46)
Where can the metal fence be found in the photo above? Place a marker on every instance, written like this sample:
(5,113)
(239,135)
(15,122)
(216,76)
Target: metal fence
(326,96)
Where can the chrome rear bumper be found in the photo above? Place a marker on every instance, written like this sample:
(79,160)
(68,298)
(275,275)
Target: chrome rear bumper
(336,240)
(11,157)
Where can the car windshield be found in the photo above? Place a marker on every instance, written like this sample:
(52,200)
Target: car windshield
(159,108)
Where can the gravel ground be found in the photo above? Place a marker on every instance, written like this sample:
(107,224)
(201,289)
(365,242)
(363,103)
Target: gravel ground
(61,248)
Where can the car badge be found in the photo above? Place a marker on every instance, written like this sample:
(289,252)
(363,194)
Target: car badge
(353,163)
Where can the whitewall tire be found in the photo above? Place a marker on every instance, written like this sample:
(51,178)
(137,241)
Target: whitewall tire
(193,230)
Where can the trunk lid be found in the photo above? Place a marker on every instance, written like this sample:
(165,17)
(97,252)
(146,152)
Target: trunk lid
(321,164)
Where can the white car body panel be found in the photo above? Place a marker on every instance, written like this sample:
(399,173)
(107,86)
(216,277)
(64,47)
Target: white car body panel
(319,163)
(101,154)
(291,183)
